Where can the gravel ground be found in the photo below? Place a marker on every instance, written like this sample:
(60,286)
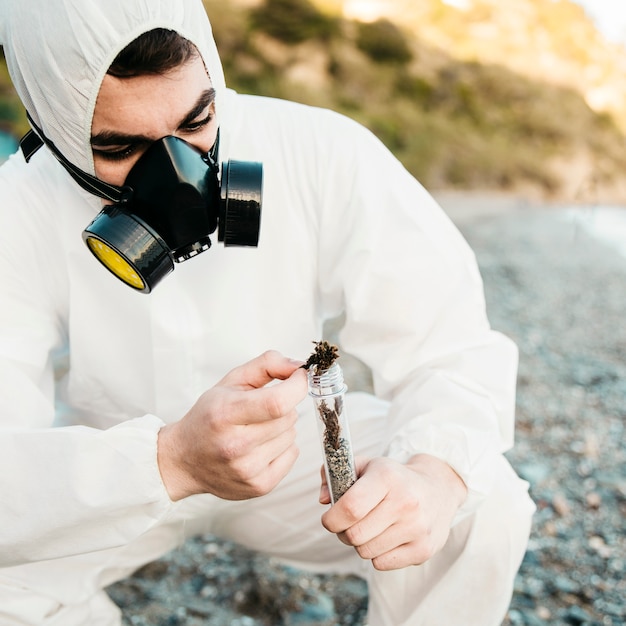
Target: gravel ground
(559,293)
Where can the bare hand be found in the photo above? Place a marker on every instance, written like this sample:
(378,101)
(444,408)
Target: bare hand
(396,515)
(238,440)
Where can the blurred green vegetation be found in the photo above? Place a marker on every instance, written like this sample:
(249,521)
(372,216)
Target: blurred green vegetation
(453,123)
(293,21)
(383,42)
(12,114)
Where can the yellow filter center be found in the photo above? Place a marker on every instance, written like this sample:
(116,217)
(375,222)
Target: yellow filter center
(115,262)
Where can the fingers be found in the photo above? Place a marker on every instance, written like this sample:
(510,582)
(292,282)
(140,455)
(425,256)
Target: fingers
(361,499)
(324,497)
(384,544)
(281,465)
(324,490)
(266,404)
(263,441)
(258,473)
(276,400)
(269,366)
(379,520)
(384,538)
(412,553)
(257,401)
(238,440)
(393,515)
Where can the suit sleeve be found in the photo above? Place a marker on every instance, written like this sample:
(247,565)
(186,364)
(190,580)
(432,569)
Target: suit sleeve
(415,313)
(65,490)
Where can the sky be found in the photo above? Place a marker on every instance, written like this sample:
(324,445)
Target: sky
(610,16)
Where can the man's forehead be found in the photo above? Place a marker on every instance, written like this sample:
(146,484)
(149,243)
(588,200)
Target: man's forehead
(161,99)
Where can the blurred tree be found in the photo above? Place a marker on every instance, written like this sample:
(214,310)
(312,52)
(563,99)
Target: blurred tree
(293,21)
(383,42)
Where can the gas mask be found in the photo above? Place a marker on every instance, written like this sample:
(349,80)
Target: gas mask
(172,200)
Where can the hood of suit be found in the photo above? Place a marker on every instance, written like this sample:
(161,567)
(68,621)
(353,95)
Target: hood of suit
(58,52)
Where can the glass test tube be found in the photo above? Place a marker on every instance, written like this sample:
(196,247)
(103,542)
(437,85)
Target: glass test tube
(327,389)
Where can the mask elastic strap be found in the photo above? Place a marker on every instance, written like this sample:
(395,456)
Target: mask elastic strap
(211,157)
(34,139)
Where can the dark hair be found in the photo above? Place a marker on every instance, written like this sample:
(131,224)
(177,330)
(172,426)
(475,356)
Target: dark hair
(154,52)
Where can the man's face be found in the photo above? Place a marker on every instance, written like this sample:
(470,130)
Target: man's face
(131,113)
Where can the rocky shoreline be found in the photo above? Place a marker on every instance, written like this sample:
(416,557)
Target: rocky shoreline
(560,294)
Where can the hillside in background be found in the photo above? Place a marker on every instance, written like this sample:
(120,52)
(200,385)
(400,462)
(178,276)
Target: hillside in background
(509,95)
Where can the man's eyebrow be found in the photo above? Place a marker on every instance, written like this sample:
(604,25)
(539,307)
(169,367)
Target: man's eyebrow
(206,99)
(111,138)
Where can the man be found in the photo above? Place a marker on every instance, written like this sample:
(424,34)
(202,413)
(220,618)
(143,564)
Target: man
(176,412)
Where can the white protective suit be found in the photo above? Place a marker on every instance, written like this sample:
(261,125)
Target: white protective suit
(345,229)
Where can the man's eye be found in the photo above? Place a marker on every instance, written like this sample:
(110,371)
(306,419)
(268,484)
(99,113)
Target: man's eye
(115,155)
(194,126)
